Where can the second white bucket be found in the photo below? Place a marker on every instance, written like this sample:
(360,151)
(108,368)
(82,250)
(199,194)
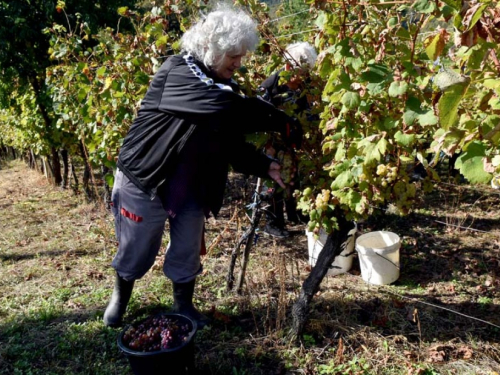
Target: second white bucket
(342,263)
(378,254)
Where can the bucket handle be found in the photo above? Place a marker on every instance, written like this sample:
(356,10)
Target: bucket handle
(390,261)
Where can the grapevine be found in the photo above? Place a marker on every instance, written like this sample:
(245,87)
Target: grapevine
(393,84)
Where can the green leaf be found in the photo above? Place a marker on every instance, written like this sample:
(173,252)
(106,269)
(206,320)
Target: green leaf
(101,72)
(330,86)
(457,22)
(351,100)
(428,118)
(343,180)
(109,180)
(375,88)
(356,200)
(492,83)
(82,94)
(404,139)
(373,151)
(352,151)
(321,20)
(403,34)
(424,6)
(376,73)
(161,41)
(141,78)
(447,11)
(477,15)
(389,123)
(356,62)
(455,4)
(340,154)
(448,105)
(343,49)
(398,88)
(326,68)
(471,163)
(406,159)
(409,117)
(477,55)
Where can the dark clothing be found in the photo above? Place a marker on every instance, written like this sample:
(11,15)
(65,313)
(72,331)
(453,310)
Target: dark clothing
(279,96)
(174,162)
(189,129)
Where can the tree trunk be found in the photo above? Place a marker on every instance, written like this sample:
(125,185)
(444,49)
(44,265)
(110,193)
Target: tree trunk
(49,174)
(65,159)
(56,164)
(107,190)
(75,177)
(86,173)
(334,245)
(30,159)
(56,167)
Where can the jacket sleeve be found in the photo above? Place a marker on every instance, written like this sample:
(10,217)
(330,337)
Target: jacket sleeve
(269,88)
(179,91)
(246,159)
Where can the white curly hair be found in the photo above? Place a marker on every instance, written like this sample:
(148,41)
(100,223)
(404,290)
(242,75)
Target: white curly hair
(222,31)
(301,54)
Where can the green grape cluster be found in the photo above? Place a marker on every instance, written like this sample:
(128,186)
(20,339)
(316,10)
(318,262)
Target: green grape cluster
(287,165)
(319,207)
(388,173)
(403,196)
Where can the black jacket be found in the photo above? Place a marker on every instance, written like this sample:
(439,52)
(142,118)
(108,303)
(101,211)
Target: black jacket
(189,121)
(278,95)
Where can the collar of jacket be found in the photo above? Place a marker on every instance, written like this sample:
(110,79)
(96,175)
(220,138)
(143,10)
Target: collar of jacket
(206,75)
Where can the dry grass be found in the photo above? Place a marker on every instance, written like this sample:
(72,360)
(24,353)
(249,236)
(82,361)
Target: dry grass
(440,317)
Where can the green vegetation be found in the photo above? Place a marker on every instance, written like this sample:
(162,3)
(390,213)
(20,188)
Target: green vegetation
(397,86)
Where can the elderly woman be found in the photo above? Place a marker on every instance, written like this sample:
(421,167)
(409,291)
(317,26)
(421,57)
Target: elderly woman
(174,161)
(300,59)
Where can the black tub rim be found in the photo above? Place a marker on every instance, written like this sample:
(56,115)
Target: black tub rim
(136,353)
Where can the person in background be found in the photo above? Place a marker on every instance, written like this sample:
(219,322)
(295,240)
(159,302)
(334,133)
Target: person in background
(174,161)
(300,59)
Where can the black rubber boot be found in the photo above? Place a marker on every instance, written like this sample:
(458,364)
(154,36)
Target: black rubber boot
(119,300)
(183,303)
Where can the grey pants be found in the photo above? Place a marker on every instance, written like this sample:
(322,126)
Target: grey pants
(139,226)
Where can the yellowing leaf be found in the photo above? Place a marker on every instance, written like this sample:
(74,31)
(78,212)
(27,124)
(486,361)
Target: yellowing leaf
(107,83)
(122,11)
(434,46)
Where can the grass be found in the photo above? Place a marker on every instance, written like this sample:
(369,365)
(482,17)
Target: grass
(440,317)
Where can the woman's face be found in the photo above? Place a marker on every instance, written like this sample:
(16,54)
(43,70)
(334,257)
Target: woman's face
(225,67)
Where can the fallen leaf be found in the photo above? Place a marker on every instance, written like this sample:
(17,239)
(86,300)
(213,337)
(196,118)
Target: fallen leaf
(437,356)
(464,352)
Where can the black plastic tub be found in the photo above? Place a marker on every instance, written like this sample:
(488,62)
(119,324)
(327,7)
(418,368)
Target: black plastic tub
(179,360)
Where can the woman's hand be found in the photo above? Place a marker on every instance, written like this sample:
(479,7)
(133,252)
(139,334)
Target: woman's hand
(274,173)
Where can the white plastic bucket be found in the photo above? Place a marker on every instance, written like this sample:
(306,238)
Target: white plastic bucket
(379,257)
(342,263)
